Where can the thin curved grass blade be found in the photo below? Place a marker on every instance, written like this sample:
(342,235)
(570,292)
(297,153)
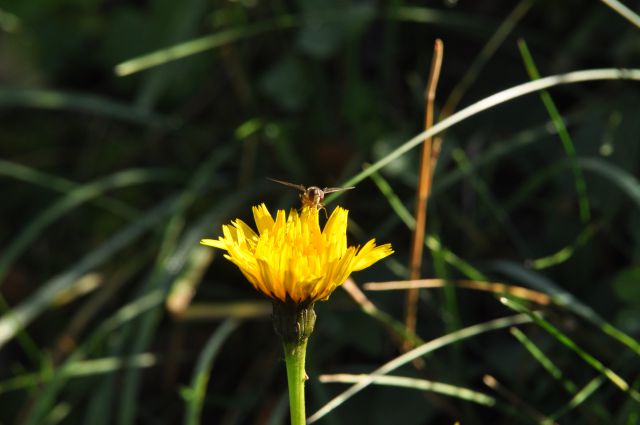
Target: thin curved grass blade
(417,352)
(195,393)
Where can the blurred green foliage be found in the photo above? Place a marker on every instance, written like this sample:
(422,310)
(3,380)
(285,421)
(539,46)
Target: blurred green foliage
(110,180)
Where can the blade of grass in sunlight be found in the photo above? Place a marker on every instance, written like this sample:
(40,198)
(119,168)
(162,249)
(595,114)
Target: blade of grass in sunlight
(501,149)
(488,103)
(564,299)
(397,328)
(23,314)
(76,197)
(52,182)
(417,352)
(27,344)
(46,396)
(580,397)
(616,379)
(58,414)
(79,370)
(451,308)
(464,267)
(494,287)
(223,37)
(186,283)
(114,321)
(394,201)
(184,22)
(487,52)
(416,384)
(544,361)
(434,245)
(563,133)
(206,312)
(567,252)
(194,395)
(174,250)
(431,241)
(444,182)
(84,103)
(198,45)
(623,11)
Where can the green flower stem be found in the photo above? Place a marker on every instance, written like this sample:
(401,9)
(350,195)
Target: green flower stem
(294,356)
(294,323)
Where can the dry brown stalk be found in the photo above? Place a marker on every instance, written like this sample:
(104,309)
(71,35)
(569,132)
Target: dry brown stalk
(495,287)
(427,164)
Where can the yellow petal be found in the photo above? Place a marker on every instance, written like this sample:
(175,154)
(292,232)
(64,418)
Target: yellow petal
(214,243)
(261,215)
(291,257)
(370,253)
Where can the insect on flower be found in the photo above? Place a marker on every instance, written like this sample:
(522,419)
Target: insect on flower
(312,196)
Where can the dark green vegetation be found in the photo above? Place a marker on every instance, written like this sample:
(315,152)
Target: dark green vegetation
(131,129)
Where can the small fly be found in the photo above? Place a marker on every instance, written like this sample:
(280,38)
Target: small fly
(312,196)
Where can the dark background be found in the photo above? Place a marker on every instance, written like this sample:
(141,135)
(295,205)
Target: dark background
(109,181)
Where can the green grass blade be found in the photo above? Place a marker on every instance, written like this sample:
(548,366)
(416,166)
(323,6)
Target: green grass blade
(45,400)
(58,184)
(79,196)
(623,11)
(567,252)
(21,315)
(580,397)
(563,133)
(512,145)
(394,201)
(488,103)
(143,331)
(194,395)
(434,244)
(84,103)
(537,318)
(624,180)
(198,45)
(544,361)
(566,300)
(79,369)
(174,253)
(58,414)
(184,22)
(431,241)
(453,391)
(417,352)
(487,52)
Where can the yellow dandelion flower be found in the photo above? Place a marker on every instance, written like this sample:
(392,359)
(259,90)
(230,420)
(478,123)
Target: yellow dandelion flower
(291,258)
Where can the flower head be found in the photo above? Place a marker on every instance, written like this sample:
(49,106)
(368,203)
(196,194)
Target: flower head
(291,258)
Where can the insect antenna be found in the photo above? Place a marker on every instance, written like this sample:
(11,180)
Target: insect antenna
(296,186)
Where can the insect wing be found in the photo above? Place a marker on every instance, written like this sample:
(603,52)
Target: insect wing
(336,189)
(296,186)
